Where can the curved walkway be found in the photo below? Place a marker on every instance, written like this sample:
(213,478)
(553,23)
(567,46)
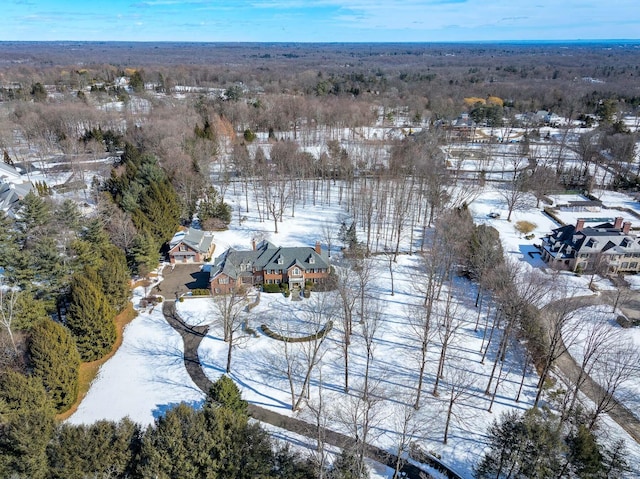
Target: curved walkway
(192,336)
(570,368)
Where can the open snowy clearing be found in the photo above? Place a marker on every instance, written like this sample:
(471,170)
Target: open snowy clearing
(144,378)
(147,374)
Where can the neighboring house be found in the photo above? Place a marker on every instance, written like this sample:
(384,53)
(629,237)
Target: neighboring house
(10,196)
(588,248)
(269,264)
(9,174)
(191,246)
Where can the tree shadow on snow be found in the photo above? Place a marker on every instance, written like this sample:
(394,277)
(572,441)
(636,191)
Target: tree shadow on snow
(162,409)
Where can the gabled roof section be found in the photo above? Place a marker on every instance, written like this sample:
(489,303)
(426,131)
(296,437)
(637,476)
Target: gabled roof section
(197,240)
(11,194)
(9,172)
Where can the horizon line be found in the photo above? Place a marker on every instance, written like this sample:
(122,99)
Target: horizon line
(420,42)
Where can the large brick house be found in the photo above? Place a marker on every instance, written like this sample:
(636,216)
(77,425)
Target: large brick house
(585,248)
(191,246)
(266,263)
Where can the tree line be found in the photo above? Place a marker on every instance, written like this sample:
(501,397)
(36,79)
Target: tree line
(215,440)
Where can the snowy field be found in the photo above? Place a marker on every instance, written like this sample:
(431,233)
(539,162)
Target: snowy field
(146,376)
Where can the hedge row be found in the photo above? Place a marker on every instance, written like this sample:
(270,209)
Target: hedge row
(320,334)
(200,292)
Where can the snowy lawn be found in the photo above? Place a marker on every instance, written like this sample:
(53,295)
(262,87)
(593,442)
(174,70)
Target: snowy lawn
(144,378)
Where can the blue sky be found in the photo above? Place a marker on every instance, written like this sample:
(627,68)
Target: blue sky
(319,20)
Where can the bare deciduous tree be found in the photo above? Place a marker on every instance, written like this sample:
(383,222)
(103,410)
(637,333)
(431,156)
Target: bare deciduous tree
(448,324)
(617,368)
(8,312)
(459,387)
(348,297)
(596,340)
(230,308)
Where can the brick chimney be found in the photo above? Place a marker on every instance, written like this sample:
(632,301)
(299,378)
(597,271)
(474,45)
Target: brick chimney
(626,227)
(253,244)
(579,225)
(618,223)
(318,247)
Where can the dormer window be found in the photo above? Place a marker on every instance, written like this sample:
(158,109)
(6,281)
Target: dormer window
(312,260)
(280,260)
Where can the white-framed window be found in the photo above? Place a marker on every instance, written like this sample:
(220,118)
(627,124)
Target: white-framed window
(296,271)
(217,290)
(312,260)
(223,280)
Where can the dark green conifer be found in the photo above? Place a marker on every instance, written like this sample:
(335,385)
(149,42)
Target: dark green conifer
(89,317)
(55,360)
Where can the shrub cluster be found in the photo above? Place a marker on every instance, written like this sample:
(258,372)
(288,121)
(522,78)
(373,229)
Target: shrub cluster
(200,292)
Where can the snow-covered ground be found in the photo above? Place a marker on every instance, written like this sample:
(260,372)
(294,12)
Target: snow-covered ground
(147,374)
(597,325)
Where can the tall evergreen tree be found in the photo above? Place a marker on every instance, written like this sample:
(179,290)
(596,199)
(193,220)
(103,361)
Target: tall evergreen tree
(8,241)
(89,317)
(166,450)
(115,277)
(26,426)
(241,450)
(161,209)
(55,360)
(29,311)
(95,234)
(144,254)
(225,393)
(33,217)
(144,191)
(100,450)
(68,216)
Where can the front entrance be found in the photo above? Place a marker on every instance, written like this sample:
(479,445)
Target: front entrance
(296,284)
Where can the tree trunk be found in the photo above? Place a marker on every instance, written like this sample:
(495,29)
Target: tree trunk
(229,348)
(449,411)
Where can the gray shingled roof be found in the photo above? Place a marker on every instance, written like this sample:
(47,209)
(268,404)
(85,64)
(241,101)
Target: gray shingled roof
(591,239)
(197,239)
(11,194)
(267,256)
